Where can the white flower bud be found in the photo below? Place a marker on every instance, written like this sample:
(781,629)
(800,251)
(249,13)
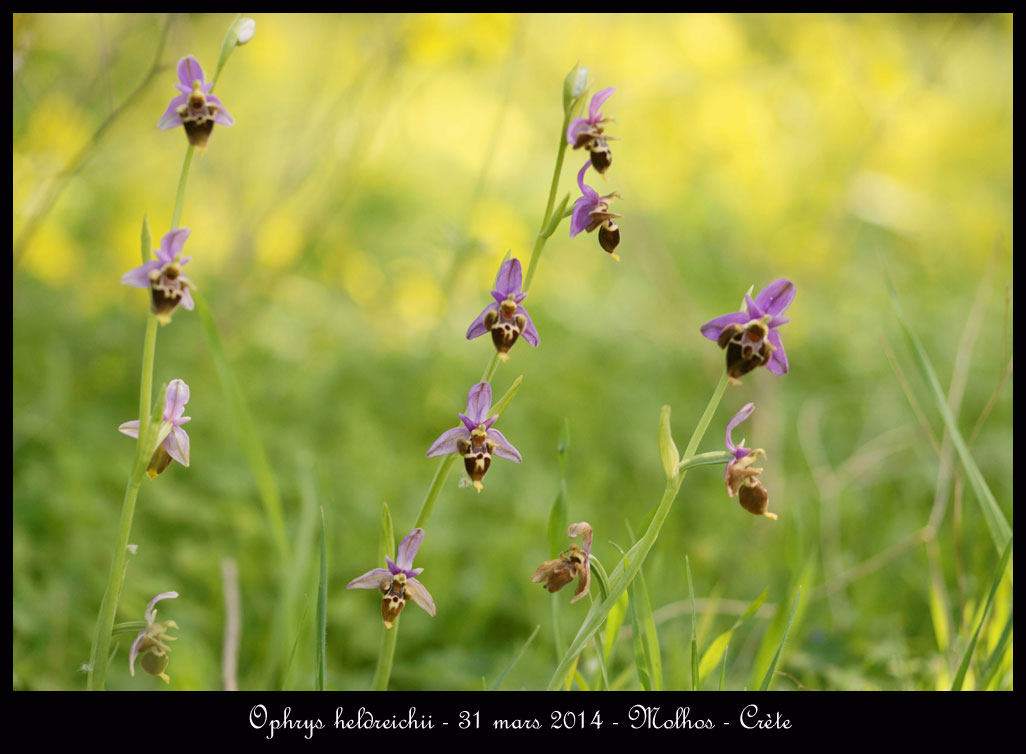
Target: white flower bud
(245,30)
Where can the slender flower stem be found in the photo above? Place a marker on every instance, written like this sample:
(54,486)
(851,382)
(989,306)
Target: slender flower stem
(384,668)
(388,641)
(109,606)
(176,216)
(539,242)
(623,574)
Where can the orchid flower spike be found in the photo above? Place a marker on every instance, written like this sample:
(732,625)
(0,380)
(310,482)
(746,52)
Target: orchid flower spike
(149,645)
(173,442)
(163,276)
(398,582)
(750,338)
(475,439)
(572,563)
(587,133)
(505,318)
(740,474)
(592,211)
(195,108)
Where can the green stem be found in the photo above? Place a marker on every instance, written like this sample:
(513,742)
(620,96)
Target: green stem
(384,666)
(539,242)
(98,657)
(384,669)
(622,575)
(176,216)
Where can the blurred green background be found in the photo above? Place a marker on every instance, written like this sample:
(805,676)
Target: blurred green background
(346,231)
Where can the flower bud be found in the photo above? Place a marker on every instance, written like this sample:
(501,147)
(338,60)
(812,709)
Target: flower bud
(245,30)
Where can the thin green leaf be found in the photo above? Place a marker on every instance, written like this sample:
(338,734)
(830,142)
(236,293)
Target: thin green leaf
(556,218)
(968,656)
(998,526)
(723,666)
(641,662)
(614,620)
(516,658)
(386,543)
(993,664)
(507,398)
(773,665)
(321,636)
(246,429)
(719,644)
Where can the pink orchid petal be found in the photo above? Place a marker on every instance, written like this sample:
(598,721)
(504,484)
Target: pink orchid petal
(190,70)
(420,595)
(140,276)
(778,361)
(408,549)
(446,442)
(175,398)
(177,445)
(503,447)
(714,327)
(370,580)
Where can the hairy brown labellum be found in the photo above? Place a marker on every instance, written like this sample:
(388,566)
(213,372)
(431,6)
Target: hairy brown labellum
(394,600)
(746,346)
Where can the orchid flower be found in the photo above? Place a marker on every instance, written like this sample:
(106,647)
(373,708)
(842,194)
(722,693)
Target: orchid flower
(740,474)
(163,276)
(592,211)
(587,132)
(149,645)
(505,318)
(475,439)
(751,338)
(173,442)
(195,108)
(398,582)
(573,563)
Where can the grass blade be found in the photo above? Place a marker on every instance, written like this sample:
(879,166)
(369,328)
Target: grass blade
(968,656)
(694,628)
(321,635)
(998,526)
(516,658)
(719,644)
(245,428)
(776,657)
(723,666)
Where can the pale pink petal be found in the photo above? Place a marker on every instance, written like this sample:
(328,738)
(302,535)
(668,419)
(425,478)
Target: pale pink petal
(175,399)
(177,445)
(479,400)
(189,70)
(370,580)
(221,115)
(509,278)
(740,416)
(408,549)
(446,442)
(477,327)
(171,118)
(420,595)
(530,334)
(503,447)
(133,652)
(140,276)
(130,428)
(597,101)
(187,301)
(171,244)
